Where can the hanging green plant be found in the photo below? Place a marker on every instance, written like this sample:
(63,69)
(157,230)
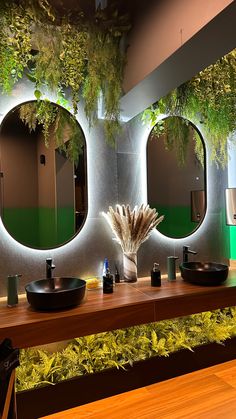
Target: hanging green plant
(210,97)
(60,54)
(67,128)
(15,44)
(42,112)
(177,132)
(177,137)
(104,79)
(73,58)
(69,138)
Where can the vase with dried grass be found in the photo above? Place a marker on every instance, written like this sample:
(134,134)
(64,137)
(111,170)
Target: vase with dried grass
(131,229)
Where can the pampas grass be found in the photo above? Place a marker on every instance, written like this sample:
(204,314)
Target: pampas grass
(132,228)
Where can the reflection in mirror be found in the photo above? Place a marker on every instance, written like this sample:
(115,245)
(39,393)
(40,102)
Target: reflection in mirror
(176,176)
(43,193)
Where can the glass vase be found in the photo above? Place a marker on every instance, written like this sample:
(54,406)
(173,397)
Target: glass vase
(130,266)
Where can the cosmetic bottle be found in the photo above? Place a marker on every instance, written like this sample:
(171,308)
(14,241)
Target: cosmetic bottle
(12,290)
(171,268)
(105,267)
(108,282)
(155,276)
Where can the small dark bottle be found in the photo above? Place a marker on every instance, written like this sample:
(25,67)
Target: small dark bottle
(117,276)
(108,282)
(155,276)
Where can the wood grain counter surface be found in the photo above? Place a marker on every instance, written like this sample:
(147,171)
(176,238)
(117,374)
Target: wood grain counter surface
(129,305)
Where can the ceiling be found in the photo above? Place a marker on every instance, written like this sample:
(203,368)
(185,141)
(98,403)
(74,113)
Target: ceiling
(134,8)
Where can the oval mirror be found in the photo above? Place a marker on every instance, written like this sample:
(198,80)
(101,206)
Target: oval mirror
(43,189)
(176,176)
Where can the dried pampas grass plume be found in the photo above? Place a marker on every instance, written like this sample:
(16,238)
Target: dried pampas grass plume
(132,228)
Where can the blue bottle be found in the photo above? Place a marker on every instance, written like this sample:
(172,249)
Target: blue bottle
(105,267)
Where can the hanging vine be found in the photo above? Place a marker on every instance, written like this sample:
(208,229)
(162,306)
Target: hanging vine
(69,138)
(60,54)
(15,44)
(209,97)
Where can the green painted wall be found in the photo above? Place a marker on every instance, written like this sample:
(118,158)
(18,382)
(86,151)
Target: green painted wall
(177,222)
(232,236)
(40,227)
(47,232)
(65,224)
(22,224)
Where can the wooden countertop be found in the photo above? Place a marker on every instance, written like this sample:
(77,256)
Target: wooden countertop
(129,305)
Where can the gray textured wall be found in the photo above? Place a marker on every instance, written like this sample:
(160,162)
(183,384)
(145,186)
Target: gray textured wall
(114,176)
(208,240)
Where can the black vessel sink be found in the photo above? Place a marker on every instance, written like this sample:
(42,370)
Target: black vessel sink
(55,293)
(208,273)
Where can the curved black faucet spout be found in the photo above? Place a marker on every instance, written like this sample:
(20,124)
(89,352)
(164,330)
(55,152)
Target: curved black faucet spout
(186,252)
(49,268)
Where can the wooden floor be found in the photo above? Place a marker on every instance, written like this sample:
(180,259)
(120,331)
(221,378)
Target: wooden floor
(206,394)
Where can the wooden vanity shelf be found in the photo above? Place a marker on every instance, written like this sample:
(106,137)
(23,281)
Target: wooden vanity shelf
(129,305)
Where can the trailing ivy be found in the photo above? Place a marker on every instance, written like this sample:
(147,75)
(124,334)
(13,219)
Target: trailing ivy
(44,113)
(94,353)
(210,98)
(15,44)
(73,58)
(69,138)
(104,78)
(59,53)
(176,133)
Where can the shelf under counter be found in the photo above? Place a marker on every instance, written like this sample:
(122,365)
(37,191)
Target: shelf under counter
(129,305)
(179,298)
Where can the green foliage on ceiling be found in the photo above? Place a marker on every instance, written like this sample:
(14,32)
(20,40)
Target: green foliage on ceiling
(15,44)
(208,98)
(60,54)
(117,349)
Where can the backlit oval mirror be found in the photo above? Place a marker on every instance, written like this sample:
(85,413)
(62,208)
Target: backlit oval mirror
(176,176)
(43,187)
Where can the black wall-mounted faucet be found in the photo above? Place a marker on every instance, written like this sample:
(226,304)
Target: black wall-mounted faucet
(49,268)
(186,252)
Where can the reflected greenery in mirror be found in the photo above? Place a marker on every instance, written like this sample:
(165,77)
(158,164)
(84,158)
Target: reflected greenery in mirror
(43,193)
(47,115)
(177,133)
(176,176)
(209,98)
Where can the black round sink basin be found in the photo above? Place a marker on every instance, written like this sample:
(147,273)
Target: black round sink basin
(208,273)
(55,293)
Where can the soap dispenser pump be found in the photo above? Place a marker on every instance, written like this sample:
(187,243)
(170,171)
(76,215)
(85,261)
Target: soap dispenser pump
(171,267)
(155,276)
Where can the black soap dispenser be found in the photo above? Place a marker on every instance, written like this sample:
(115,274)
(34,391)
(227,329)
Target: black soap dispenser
(155,276)
(108,282)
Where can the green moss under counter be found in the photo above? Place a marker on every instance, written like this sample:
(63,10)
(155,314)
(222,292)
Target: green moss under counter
(129,305)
